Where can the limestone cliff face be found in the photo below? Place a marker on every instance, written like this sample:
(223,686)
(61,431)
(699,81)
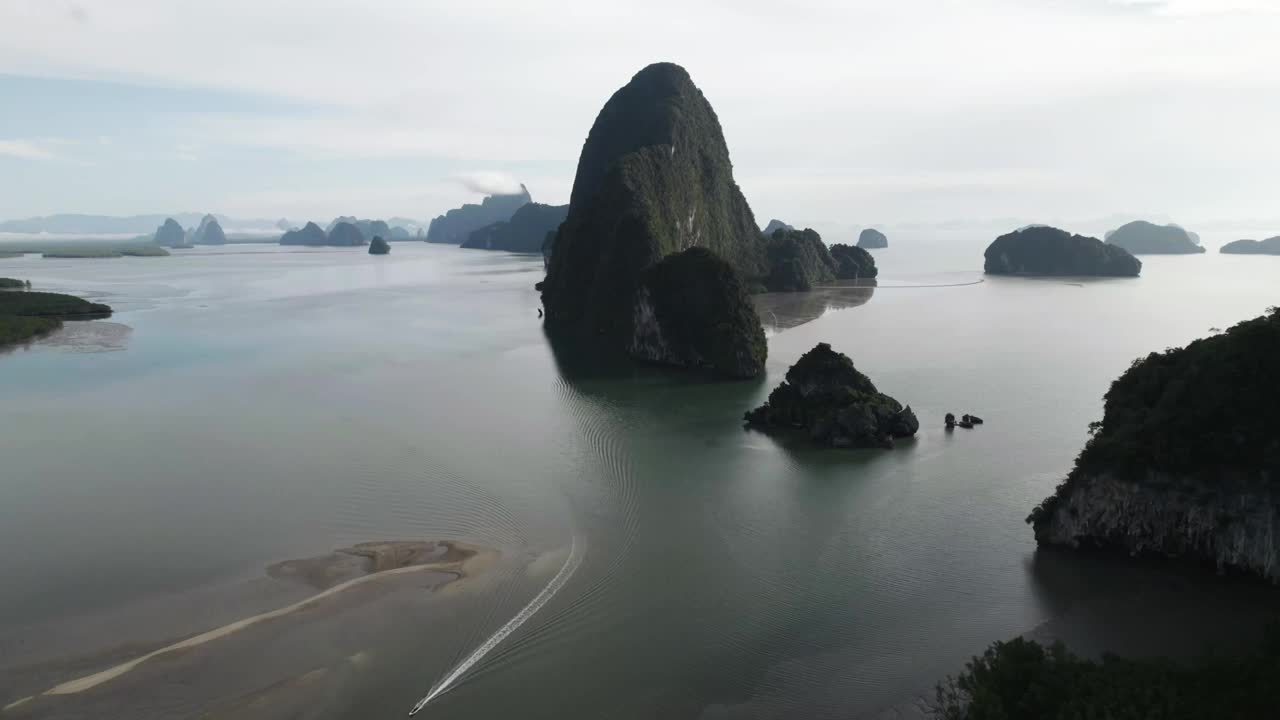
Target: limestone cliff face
(1143,238)
(872,239)
(170,234)
(1237,525)
(1186,460)
(654,180)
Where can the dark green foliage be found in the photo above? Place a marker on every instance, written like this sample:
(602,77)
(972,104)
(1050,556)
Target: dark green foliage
(694,311)
(838,406)
(33,304)
(1143,238)
(378,246)
(654,178)
(1206,409)
(525,232)
(1042,250)
(798,260)
(15,328)
(311,234)
(872,239)
(14,284)
(853,263)
(170,234)
(455,226)
(345,234)
(1270,246)
(1021,680)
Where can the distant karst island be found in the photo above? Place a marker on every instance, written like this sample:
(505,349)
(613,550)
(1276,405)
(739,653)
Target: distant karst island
(170,234)
(456,225)
(872,239)
(826,396)
(1043,250)
(798,260)
(378,246)
(774,226)
(1270,246)
(209,232)
(525,232)
(342,233)
(1143,238)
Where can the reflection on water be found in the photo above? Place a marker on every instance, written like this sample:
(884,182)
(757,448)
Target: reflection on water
(781,310)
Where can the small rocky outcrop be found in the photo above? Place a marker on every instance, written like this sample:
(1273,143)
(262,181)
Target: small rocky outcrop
(171,234)
(774,226)
(310,234)
(825,395)
(525,232)
(378,246)
(455,226)
(853,263)
(798,260)
(1143,238)
(209,232)
(1044,250)
(654,180)
(1270,246)
(345,234)
(871,239)
(1186,460)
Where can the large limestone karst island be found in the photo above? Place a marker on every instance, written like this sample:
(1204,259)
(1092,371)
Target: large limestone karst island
(1143,238)
(659,246)
(525,232)
(1186,460)
(455,226)
(1270,246)
(826,396)
(1043,250)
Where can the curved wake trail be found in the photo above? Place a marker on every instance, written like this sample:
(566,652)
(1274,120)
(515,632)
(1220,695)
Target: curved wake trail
(567,570)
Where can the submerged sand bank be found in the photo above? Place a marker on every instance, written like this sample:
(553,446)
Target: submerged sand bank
(333,574)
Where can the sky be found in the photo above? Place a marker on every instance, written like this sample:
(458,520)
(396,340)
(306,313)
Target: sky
(854,112)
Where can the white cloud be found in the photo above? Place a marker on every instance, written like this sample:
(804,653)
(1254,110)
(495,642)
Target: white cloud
(25,149)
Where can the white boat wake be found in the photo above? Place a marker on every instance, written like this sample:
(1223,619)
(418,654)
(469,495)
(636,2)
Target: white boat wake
(570,566)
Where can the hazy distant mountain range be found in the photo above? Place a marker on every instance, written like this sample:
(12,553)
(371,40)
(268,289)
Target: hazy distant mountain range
(146,224)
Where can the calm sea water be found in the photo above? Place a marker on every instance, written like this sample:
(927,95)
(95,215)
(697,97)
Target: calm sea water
(251,404)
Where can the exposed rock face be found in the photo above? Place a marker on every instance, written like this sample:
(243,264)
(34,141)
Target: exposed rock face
(1143,238)
(171,234)
(871,239)
(1186,460)
(525,232)
(836,404)
(346,234)
(311,234)
(1270,246)
(456,225)
(853,263)
(209,232)
(798,260)
(378,246)
(654,179)
(1043,250)
(774,226)
(692,310)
